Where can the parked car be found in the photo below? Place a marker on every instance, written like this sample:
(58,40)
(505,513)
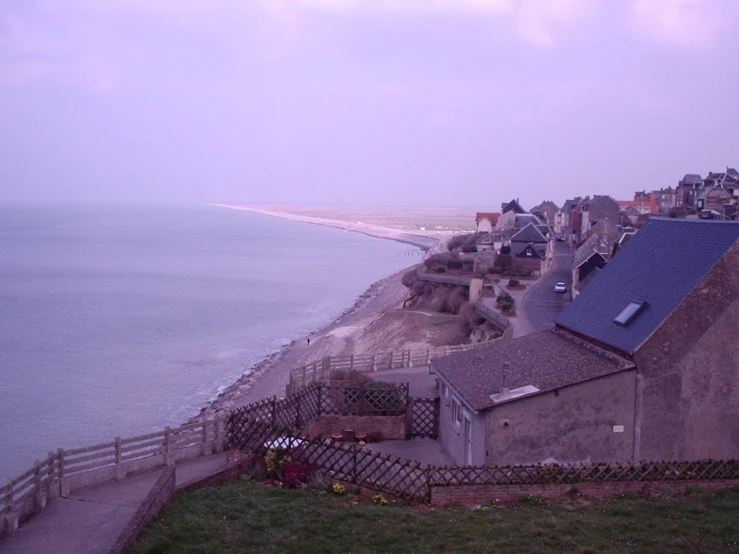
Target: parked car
(560,287)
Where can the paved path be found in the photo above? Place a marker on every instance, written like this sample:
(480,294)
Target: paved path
(90,519)
(540,304)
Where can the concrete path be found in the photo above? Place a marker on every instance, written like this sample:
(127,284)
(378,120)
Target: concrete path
(424,451)
(90,519)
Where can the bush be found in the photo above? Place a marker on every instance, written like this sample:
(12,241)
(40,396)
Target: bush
(504,297)
(296,474)
(469,248)
(513,282)
(456,299)
(441,269)
(409,278)
(506,306)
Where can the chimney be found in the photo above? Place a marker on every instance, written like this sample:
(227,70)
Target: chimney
(506,368)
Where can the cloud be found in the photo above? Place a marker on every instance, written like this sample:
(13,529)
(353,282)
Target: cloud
(686,23)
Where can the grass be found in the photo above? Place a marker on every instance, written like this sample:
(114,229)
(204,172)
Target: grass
(244,516)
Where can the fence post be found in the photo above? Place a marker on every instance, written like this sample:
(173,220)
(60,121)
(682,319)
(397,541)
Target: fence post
(298,420)
(52,487)
(63,482)
(118,462)
(374,363)
(168,461)
(11,517)
(437,412)
(219,438)
(351,362)
(410,360)
(39,498)
(354,463)
(428,356)
(204,446)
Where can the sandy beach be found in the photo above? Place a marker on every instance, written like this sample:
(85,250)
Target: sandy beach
(373,323)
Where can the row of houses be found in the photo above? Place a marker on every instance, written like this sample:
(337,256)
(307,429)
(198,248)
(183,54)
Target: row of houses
(526,236)
(642,365)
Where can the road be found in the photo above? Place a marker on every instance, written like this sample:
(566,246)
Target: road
(541,305)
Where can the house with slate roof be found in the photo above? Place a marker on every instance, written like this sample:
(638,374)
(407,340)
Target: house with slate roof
(509,211)
(531,250)
(642,365)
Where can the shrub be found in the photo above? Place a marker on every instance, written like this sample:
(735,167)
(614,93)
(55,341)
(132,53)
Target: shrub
(409,278)
(441,269)
(513,282)
(456,299)
(338,489)
(469,248)
(379,500)
(296,474)
(349,375)
(504,297)
(276,459)
(506,306)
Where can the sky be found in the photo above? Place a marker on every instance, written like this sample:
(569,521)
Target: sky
(363,102)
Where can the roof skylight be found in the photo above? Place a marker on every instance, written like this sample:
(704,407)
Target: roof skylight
(629,313)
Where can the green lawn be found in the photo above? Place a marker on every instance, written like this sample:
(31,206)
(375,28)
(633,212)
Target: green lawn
(242,516)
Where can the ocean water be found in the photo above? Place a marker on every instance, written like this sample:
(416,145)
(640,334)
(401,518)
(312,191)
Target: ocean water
(122,320)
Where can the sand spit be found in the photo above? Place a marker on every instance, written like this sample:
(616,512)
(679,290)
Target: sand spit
(373,230)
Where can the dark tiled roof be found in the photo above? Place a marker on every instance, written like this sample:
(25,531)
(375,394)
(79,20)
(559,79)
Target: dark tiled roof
(512,205)
(529,234)
(691,179)
(661,264)
(593,245)
(548,360)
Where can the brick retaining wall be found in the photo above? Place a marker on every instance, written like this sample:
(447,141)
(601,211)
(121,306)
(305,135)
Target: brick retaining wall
(468,494)
(389,427)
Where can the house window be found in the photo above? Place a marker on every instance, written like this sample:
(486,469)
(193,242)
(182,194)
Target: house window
(456,411)
(629,313)
(528,252)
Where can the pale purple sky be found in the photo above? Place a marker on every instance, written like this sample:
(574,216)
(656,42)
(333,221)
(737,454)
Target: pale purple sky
(383,102)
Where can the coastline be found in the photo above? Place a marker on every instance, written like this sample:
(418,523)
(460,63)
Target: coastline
(269,377)
(378,231)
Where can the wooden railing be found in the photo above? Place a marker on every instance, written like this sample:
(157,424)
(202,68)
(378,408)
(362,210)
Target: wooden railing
(444,278)
(65,470)
(496,319)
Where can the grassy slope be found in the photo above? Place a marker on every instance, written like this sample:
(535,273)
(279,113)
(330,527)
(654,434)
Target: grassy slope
(247,517)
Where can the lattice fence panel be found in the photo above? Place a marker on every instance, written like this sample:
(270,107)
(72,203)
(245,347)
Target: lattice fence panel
(364,400)
(424,418)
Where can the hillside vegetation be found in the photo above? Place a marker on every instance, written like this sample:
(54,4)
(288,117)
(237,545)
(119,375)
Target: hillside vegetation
(242,516)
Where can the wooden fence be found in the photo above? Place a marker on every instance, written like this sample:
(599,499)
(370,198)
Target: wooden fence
(443,278)
(66,470)
(258,423)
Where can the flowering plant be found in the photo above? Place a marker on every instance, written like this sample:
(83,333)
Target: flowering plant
(380,500)
(338,488)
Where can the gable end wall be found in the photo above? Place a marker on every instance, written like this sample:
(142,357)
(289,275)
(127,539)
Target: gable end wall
(689,405)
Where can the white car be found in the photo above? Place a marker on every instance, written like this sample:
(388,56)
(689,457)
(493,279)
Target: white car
(560,287)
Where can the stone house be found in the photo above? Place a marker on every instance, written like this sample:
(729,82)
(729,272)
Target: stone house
(547,210)
(716,198)
(641,366)
(531,250)
(598,209)
(486,221)
(509,211)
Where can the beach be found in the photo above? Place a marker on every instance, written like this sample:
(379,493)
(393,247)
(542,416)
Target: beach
(360,329)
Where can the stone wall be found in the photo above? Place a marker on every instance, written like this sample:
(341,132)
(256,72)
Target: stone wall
(687,402)
(587,422)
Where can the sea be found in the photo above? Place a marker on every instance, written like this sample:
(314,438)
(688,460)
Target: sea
(120,320)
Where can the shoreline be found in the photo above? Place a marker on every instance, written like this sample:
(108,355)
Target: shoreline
(269,376)
(423,242)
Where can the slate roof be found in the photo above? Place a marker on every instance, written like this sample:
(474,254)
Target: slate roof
(529,234)
(547,360)
(512,205)
(691,179)
(661,264)
(593,245)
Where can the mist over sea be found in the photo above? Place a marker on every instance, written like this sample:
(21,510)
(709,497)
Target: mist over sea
(122,320)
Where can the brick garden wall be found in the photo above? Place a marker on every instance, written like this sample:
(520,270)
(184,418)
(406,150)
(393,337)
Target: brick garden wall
(388,427)
(468,494)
